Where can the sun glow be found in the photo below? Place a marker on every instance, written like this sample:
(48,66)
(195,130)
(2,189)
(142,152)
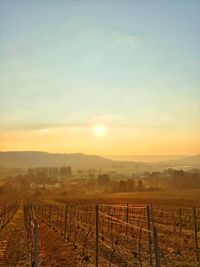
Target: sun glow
(100,130)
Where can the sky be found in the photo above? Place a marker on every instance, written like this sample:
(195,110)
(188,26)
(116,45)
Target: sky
(100,77)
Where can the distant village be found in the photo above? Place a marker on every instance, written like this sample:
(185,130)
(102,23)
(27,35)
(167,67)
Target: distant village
(66,181)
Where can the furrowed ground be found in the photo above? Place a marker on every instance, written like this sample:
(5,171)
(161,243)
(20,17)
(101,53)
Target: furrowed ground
(14,243)
(15,246)
(67,230)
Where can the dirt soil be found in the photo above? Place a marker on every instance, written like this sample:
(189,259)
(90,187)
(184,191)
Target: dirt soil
(54,251)
(14,244)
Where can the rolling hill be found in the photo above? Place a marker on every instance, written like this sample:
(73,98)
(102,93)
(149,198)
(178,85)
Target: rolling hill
(26,159)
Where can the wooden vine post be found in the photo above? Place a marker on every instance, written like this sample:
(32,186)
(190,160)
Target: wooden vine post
(196,233)
(156,247)
(149,235)
(97,235)
(36,243)
(65,227)
(180,220)
(127,217)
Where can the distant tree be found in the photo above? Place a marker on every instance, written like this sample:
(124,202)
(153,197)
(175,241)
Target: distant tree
(140,185)
(122,186)
(103,180)
(65,172)
(91,184)
(130,185)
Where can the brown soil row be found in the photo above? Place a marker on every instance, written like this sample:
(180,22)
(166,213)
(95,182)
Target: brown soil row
(13,243)
(53,251)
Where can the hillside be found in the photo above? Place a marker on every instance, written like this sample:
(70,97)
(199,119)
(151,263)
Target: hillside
(38,159)
(25,159)
(188,161)
(184,163)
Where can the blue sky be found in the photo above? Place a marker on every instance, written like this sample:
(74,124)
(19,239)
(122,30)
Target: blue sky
(132,65)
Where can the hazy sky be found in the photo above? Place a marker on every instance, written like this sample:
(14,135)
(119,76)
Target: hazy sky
(132,67)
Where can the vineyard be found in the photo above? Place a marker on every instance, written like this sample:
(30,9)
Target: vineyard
(108,233)
(7,212)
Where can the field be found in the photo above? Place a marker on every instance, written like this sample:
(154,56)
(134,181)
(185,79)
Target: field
(138,229)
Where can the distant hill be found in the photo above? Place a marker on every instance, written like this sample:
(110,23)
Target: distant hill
(188,161)
(145,158)
(26,159)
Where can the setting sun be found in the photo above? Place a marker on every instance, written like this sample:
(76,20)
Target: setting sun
(100,130)
(99,133)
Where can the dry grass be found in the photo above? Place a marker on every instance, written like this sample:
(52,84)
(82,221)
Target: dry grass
(179,198)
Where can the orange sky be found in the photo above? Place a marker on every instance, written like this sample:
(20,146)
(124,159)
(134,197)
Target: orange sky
(132,67)
(119,141)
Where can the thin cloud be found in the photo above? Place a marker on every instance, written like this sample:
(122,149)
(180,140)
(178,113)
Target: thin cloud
(110,121)
(124,39)
(117,38)
(38,127)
